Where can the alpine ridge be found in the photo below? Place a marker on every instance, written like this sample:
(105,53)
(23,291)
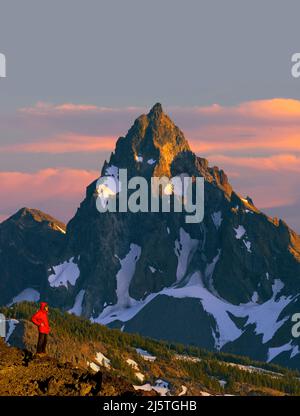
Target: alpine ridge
(230,283)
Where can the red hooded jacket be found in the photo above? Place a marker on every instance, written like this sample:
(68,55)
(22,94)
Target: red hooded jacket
(40,318)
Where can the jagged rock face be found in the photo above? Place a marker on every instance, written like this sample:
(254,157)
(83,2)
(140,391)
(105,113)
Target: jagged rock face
(29,241)
(150,146)
(232,279)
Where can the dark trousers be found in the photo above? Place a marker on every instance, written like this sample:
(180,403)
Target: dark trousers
(42,343)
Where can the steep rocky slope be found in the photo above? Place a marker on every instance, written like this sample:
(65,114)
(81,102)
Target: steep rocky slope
(30,241)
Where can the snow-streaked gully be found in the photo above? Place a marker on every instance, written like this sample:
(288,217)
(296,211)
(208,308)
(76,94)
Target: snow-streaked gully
(187,193)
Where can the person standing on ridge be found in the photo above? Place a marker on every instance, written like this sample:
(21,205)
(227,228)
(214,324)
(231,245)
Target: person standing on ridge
(40,319)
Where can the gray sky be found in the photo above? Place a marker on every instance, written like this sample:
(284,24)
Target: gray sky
(137,52)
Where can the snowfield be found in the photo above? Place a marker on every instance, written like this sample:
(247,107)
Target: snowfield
(124,276)
(77,308)
(145,355)
(273,352)
(29,295)
(184,250)
(64,274)
(239,232)
(264,316)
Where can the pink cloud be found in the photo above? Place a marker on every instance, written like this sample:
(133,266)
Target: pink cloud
(64,143)
(254,142)
(43,109)
(279,162)
(56,191)
(266,125)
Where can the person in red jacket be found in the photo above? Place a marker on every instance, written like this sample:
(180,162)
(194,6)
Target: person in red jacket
(40,319)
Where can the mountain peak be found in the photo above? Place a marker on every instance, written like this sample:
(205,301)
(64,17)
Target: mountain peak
(156,110)
(32,216)
(151,145)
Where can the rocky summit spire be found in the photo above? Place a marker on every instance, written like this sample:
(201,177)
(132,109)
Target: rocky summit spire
(156,111)
(151,145)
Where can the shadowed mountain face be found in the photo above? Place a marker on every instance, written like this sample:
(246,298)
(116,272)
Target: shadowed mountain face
(230,282)
(29,241)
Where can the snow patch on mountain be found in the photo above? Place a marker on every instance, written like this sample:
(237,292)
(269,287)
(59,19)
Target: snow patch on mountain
(184,250)
(132,364)
(93,366)
(102,360)
(112,171)
(124,301)
(151,161)
(125,274)
(109,185)
(12,323)
(217,218)
(29,295)
(140,376)
(264,316)
(252,369)
(209,270)
(248,245)
(239,232)
(64,274)
(295,351)
(185,357)
(145,354)
(274,352)
(77,308)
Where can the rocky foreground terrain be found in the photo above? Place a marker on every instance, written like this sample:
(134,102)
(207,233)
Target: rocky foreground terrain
(89,359)
(23,374)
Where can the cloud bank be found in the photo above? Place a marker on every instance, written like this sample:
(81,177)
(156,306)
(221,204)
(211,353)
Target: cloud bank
(257,143)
